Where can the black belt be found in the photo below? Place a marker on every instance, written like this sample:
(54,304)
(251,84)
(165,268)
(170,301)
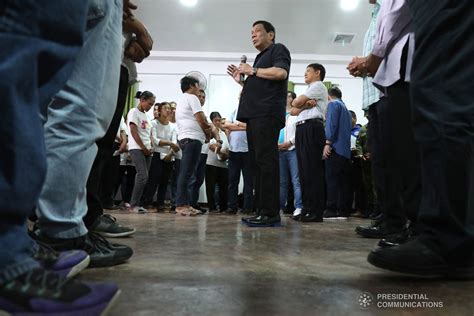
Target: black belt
(316,119)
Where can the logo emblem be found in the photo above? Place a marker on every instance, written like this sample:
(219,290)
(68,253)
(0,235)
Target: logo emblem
(365,300)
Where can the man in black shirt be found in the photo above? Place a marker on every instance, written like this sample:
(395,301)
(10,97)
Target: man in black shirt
(262,107)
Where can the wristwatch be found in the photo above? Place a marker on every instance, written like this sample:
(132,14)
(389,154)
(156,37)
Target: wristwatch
(254,72)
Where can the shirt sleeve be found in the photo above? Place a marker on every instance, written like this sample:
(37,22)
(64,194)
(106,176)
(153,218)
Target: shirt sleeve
(132,117)
(194,104)
(154,134)
(281,57)
(392,20)
(315,92)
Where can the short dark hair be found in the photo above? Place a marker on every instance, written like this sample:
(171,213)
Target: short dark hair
(188,82)
(335,92)
(145,95)
(322,70)
(213,115)
(293,95)
(267,26)
(353,114)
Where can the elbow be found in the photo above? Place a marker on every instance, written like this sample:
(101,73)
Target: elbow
(282,74)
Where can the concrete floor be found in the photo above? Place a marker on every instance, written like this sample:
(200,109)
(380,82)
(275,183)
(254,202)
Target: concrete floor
(214,265)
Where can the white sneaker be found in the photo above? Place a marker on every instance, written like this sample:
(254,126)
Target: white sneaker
(297,212)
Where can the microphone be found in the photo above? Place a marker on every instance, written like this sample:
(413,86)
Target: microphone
(243,60)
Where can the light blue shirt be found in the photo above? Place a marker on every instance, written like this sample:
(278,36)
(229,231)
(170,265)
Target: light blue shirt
(370,94)
(237,139)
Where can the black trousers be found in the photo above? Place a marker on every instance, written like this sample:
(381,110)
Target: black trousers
(262,137)
(309,142)
(126,182)
(337,183)
(158,178)
(110,178)
(442,95)
(239,162)
(105,151)
(219,176)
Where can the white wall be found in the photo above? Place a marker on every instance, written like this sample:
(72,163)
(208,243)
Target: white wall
(161,72)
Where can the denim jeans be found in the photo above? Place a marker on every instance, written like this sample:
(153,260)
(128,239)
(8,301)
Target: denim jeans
(197,180)
(35,62)
(191,150)
(289,172)
(78,116)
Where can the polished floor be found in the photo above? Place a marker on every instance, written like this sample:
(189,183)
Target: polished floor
(214,265)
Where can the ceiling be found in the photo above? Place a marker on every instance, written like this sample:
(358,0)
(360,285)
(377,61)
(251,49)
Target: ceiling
(304,26)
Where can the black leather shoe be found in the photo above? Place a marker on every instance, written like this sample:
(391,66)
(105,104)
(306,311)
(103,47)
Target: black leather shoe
(296,217)
(397,239)
(246,219)
(264,221)
(311,218)
(376,230)
(416,258)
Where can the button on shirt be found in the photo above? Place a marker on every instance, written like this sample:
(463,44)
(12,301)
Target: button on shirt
(262,97)
(316,91)
(338,128)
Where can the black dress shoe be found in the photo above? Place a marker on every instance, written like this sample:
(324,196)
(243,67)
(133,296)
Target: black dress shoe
(296,217)
(415,258)
(264,221)
(397,239)
(311,218)
(376,231)
(246,219)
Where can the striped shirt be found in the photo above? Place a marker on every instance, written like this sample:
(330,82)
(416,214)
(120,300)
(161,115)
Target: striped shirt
(370,93)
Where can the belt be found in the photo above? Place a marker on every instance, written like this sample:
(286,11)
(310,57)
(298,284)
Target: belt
(316,119)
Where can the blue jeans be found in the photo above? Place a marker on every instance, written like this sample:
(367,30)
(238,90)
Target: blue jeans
(197,180)
(26,86)
(78,116)
(289,171)
(191,150)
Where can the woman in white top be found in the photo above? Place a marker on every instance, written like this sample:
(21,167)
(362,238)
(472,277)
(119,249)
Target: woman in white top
(216,168)
(139,146)
(165,145)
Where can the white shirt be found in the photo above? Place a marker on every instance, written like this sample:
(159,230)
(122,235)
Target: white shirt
(174,129)
(316,91)
(122,128)
(290,130)
(394,30)
(214,159)
(162,132)
(140,119)
(188,126)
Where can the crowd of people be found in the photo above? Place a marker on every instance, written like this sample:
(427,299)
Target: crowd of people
(410,168)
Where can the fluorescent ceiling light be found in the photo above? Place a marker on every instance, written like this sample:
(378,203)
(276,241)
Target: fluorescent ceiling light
(349,5)
(188,3)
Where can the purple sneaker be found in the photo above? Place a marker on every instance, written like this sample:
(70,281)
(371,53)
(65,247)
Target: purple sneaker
(66,263)
(39,292)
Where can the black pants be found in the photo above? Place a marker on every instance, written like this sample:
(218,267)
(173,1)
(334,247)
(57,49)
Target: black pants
(239,162)
(126,182)
(110,178)
(158,177)
(105,151)
(442,96)
(337,183)
(219,176)
(262,137)
(310,139)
